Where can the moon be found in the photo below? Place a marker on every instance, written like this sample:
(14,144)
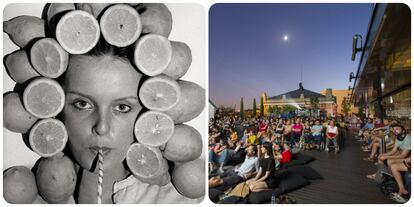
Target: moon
(285,37)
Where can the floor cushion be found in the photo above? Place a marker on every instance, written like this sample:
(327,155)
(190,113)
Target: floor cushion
(305,171)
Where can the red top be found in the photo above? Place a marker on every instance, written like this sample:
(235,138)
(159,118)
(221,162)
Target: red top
(286,156)
(263,127)
(297,128)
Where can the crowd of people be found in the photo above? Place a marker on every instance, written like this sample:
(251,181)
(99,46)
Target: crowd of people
(260,146)
(388,144)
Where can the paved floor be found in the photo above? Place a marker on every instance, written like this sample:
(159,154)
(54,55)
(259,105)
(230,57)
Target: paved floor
(344,180)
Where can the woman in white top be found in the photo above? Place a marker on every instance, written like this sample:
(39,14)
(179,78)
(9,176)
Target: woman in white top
(331,135)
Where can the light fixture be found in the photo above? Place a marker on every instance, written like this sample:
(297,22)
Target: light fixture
(352,76)
(355,48)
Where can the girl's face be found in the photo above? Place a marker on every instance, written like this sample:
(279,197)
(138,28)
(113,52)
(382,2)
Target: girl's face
(263,149)
(100,109)
(276,147)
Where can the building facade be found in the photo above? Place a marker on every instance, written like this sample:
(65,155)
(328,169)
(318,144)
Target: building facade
(212,108)
(382,86)
(341,95)
(302,99)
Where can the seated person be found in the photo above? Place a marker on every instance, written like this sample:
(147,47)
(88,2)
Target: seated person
(281,155)
(279,129)
(265,178)
(297,132)
(316,134)
(212,136)
(233,138)
(263,126)
(276,139)
(245,136)
(307,136)
(218,155)
(396,170)
(365,131)
(396,162)
(237,155)
(264,138)
(236,176)
(287,130)
(252,139)
(396,156)
(380,136)
(332,133)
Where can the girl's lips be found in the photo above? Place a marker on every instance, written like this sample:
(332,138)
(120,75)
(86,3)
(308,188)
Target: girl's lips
(95,149)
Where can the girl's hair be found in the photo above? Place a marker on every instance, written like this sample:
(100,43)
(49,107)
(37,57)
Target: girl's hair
(268,148)
(103,48)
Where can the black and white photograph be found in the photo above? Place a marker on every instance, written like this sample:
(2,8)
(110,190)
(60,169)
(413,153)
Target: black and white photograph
(104,103)
(310,103)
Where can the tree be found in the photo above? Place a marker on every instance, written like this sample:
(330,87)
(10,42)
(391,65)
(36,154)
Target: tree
(274,110)
(261,106)
(346,106)
(271,110)
(288,108)
(277,110)
(254,107)
(241,109)
(314,102)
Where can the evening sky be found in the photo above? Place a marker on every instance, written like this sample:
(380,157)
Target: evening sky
(248,54)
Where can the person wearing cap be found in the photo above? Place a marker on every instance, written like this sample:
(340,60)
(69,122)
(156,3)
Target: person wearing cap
(394,159)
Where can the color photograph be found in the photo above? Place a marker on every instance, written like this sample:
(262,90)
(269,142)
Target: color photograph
(309,103)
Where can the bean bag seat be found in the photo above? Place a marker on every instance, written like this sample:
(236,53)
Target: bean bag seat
(214,194)
(304,158)
(293,163)
(305,171)
(288,182)
(233,200)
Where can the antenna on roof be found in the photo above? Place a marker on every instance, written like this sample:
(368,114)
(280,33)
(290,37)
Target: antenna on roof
(301,73)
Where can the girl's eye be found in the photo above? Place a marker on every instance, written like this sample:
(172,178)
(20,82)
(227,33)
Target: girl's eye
(82,105)
(123,108)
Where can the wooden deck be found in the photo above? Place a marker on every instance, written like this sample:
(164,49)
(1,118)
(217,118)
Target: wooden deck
(344,180)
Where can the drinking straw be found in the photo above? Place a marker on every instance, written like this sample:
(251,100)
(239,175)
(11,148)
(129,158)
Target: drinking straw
(100,175)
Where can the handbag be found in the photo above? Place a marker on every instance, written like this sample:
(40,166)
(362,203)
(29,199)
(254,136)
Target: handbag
(241,190)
